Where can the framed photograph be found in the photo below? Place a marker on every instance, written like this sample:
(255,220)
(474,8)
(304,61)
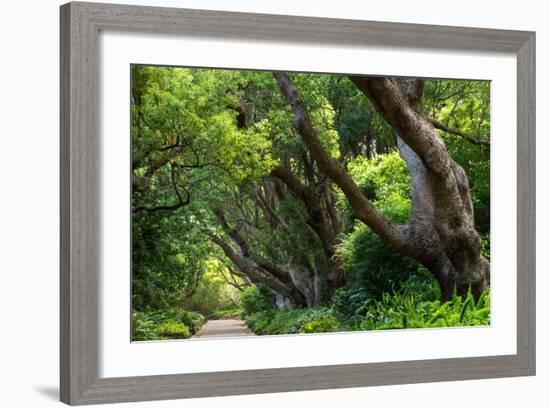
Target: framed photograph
(261,203)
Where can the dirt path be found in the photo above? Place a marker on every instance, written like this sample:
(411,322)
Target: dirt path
(224,328)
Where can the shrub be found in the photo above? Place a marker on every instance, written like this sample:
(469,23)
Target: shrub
(143,328)
(349,304)
(281,321)
(373,264)
(422,285)
(194,320)
(165,324)
(173,330)
(306,316)
(257,322)
(391,312)
(255,299)
(400,312)
(368,260)
(320,320)
(325,324)
(230,313)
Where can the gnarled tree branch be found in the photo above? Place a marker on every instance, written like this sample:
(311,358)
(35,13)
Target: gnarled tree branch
(169,207)
(362,207)
(257,274)
(470,138)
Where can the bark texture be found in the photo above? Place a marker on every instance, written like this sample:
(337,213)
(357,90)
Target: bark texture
(326,226)
(441,232)
(301,280)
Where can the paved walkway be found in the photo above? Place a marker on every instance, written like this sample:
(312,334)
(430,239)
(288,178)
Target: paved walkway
(224,328)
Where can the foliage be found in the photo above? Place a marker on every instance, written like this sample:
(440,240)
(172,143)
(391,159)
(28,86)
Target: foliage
(352,303)
(173,330)
(212,292)
(227,313)
(315,320)
(465,105)
(165,324)
(420,284)
(143,327)
(167,261)
(401,312)
(194,320)
(349,304)
(392,311)
(325,324)
(322,315)
(388,177)
(373,263)
(256,299)
(375,266)
(205,143)
(271,321)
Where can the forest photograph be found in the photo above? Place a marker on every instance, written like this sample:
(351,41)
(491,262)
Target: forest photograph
(273,203)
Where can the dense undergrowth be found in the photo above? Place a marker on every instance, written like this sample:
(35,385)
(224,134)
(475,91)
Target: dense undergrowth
(351,310)
(165,324)
(234,215)
(390,312)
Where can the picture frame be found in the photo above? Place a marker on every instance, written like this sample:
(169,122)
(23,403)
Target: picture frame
(81,24)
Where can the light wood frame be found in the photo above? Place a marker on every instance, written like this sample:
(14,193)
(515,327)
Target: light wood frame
(80,234)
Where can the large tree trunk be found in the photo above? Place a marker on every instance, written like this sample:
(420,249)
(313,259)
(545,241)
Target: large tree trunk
(440,232)
(423,232)
(315,279)
(325,225)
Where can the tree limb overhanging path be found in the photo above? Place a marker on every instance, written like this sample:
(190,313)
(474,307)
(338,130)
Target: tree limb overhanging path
(223,328)
(307,186)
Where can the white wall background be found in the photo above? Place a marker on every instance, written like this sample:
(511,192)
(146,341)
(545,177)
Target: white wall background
(29,202)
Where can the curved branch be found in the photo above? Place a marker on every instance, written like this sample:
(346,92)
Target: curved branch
(233,233)
(318,219)
(450,182)
(231,280)
(257,274)
(244,250)
(168,207)
(270,214)
(172,151)
(362,207)
(285,175)
(415,130)
(470,138)
(140,183)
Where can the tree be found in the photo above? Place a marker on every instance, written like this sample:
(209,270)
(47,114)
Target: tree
(227,170)
(202,154)
(440,232)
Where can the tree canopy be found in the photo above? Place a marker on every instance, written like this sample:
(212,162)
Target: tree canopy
(306,184)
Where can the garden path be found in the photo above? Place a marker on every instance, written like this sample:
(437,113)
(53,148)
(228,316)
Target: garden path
(224,328)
